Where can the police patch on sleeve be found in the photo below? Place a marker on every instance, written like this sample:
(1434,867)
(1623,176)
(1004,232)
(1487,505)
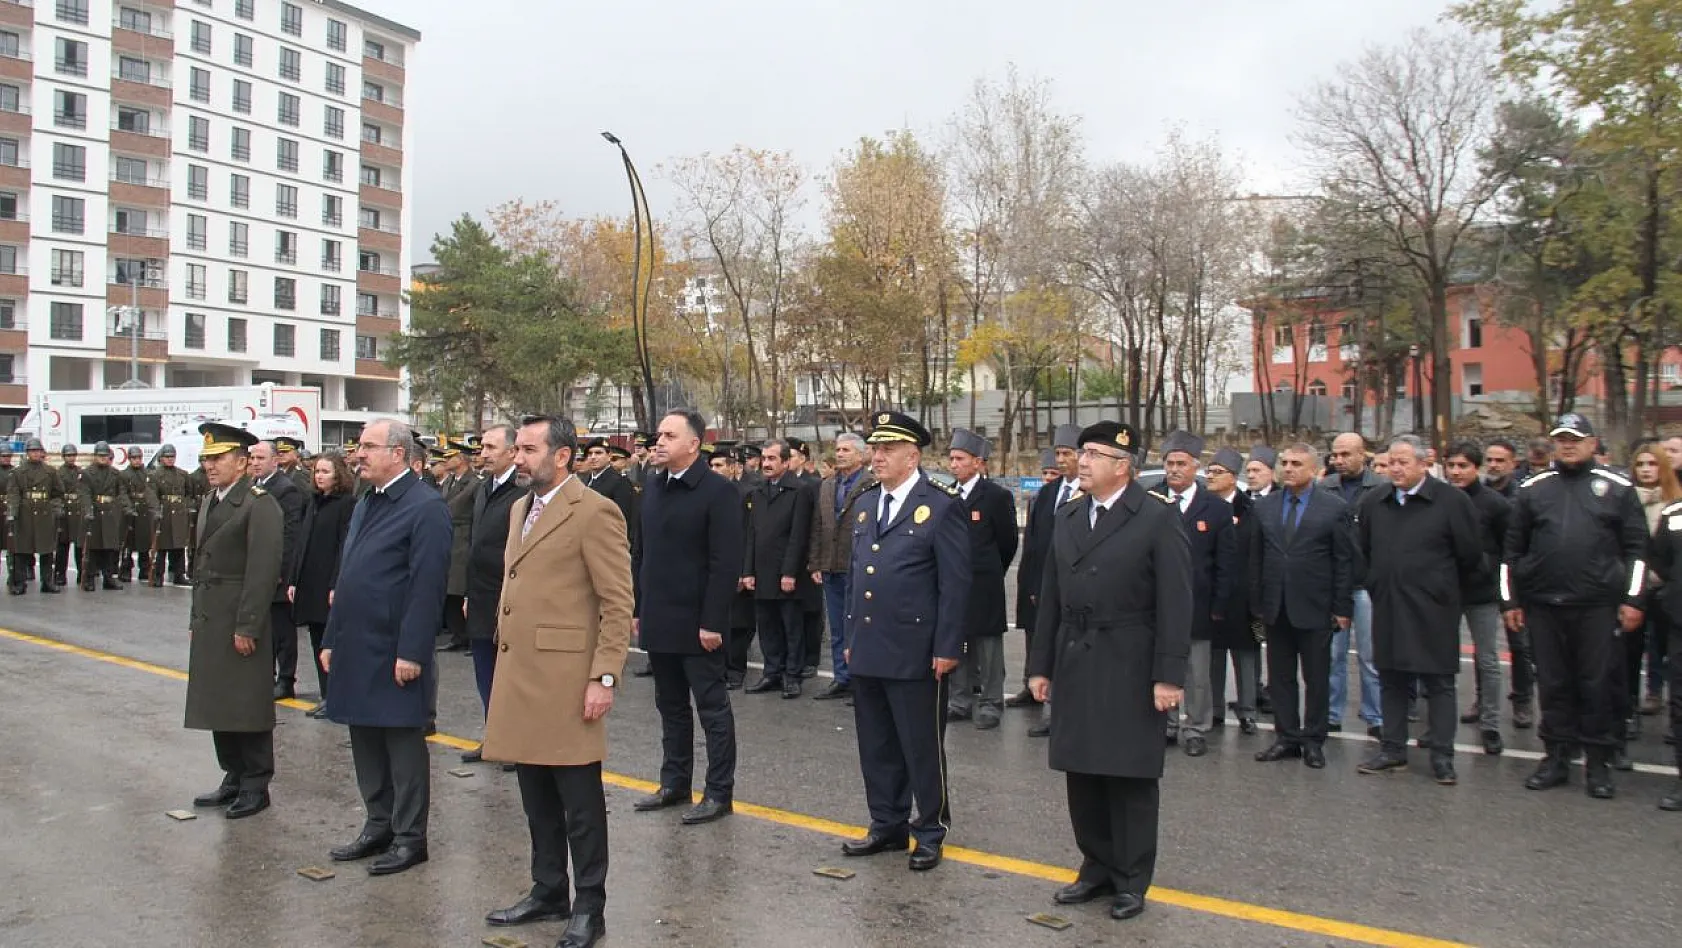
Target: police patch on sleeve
(1599,487)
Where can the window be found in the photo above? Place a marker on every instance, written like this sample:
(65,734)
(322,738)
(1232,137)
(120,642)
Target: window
(200,41)
(8,98)
(130,69)
(1473,375)
(70,109)
(9,152)
(67,268)
(284,342)
(1317,387)
(239,190)
(8,259)
(286,154)
(333,122)
(242,50)
(369,261)
(245,9)
(8,206)
(198,84)
(198,232)
(71,58)
(198,183)
(373,49)
(239,286)
(285,247)
(291,64)
(371,133)
(73,11)
(1282,337)
(286,200)
(373,91)
(7,360)
(371,175)
(239,239)
(130,271)
(242,96)
(240,148)
(68,214)
(193,337)
(1347,391)
(332,166)
(8,314)
(10,44)
(331,260)
(198,133)
(368,217)
(335,79)
(291,19)
(196,280)
(332,211)
(131,171)
(1473,317)
(66,322)
(70,162)
(367,347)
(137,20)
(1317,335)
(138,121)
(285,294)
(336,35)
(132,222)
(288,110)
(329,337)
(236,334)
(367,304)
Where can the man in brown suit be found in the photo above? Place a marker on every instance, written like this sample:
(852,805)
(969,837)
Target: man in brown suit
(564,627)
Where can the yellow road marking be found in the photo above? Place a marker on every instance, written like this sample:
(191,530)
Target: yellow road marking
(1211,905)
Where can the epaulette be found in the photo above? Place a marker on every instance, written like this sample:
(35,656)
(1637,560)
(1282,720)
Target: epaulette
(1162,497)
(875,485)
(1613,476)
(1537,478)
(949,489)
(257,491)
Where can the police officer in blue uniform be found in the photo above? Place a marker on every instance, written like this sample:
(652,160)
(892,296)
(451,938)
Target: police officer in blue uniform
(911,583)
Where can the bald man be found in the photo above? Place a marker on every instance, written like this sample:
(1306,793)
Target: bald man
(1351,480)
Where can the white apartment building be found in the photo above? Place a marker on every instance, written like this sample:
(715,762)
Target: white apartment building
(233,170)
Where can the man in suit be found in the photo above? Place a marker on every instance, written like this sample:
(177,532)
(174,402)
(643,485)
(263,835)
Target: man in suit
(1115,610)
(601,477)
(378,648)
(1235,633)
(1351,480)
(832,536)
(564,630)
(911,584)
(265,473)
(803,466)
(1207,521)
(1259,475)
(693,531)
(492,499)
(779,530)
(460,490)
(1300,585)
(739,643)
(1036,546)
(991,512)
(228,663)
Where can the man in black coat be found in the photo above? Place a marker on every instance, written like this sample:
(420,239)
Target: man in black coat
(493,498)
(1300,585)
(1481,599)
(779,531)
(1207,520)
(991,512)
(265,473)
(803,465)
(1036,545)
(1234,634)
(600,476)
(1116,609)
(737,645)
(687,573)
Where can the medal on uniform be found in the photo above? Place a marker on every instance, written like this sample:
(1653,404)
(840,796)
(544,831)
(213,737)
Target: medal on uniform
(921,515)
(861,516)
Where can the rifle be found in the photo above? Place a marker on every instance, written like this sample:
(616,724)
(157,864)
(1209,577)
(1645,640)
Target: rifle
(157,527)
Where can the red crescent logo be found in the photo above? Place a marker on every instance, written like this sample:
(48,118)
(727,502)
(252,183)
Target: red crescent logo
(58,419)
(252,412)
(299,413)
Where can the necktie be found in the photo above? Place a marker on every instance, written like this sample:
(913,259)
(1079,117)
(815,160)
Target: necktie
(1293,514)
(531,518)
(887,513)
(1401,497)
(214,500)
(1063,494)
(1098,512)
(1179,500)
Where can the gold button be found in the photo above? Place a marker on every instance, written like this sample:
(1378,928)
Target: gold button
(505,646)
(870,569)
(867,594)
(510,574)
(507,610)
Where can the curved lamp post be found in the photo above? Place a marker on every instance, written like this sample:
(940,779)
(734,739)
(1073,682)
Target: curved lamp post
(641,222)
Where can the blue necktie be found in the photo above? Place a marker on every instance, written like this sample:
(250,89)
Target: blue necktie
(1401,497)
(1293,514)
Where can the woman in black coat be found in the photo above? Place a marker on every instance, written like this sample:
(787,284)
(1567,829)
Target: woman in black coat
(321,537)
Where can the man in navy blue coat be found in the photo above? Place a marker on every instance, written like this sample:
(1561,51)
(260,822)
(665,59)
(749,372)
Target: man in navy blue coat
(388,606)
(905,625)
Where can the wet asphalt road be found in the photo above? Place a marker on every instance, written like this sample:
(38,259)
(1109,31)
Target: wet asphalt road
(95,755)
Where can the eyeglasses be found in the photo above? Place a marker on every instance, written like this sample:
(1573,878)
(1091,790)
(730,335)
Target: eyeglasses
(1095,453)
(376,447)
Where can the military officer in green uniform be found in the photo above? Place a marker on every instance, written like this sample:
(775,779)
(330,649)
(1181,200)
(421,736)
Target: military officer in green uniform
(105,512)
(230,661)
(290,453)
(70,527)
(137,527)
(35,499)
(5,509)
(173,503)
(200,486)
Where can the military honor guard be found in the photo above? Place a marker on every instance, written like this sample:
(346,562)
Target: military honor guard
(911,576)
(1115,613)
(105,510)
(35,506)
(6,469)
(173,511)
(228,663)
(71,530)
(990,511)
(137,524)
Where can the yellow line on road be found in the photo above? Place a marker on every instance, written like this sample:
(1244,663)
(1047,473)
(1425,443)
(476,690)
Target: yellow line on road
(1211,905)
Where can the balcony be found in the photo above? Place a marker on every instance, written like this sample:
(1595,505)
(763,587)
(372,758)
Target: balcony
(153,345)
(15,229)
(374,369)
(15,174)
(378,280)
(381,195)
(16,121)
(16,13)
(382,154)
(15,282)
(141,242)
(379,238)
(377,324)
(153,294)
(387,69)
(148,88)
(16,65)
(152,39)
(141,190)
(16,393)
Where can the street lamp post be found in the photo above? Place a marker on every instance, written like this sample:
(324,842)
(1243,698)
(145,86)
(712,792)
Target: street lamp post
(639,301)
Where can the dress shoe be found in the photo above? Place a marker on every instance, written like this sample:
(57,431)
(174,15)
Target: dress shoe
(17,589)
(157,582)
(1081,892)
(1126,906)
(397,859)
(1470,715)
(1195,746)
(1672,801)
(1551,772)
(473,756)
(1246,725)
(180,579)
(361,848)
(1217,722)
(1492,743)
(707,811)
(958,714)
(47,587)
(987,721)
(1524,718)
(925,857)
(431,729)
(221,796)
(873,844)
(1621,761)
(1382,762)
(808,671)
(248,804)
(1314,756)
(732,682)
(1022,699)
(791,689)
(661,798)
(283,688)
(1172,736)
(1597,777)
(528,909)
(836,689)
(582,932)
(111,583)
(1042,729)
(1374,731)
(318,712)
(646,671)
(88,586)
(1334,727)
(1279,750)
(1442,771)
(763,685)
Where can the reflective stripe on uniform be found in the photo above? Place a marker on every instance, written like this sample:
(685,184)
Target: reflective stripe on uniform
(1637,574)
(1506,586)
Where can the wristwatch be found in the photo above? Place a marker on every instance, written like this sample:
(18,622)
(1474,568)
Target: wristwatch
(608,681)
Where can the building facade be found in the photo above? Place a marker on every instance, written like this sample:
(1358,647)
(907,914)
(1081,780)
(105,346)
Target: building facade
(202,192)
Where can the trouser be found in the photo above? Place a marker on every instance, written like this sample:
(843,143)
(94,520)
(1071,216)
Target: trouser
(318,631)
(782,637)
(484,668)
(1524,665)
(68,553)
(1483,623)
(455,619)
(100,563)
(566,812)
(1289,648)
(836,587)
(394,774)
(983,664)
(1360,629)
(1247,663)
(1658,648)
(176,568)
(738,645)
(1196,715)
(1115,824)
(1629,675)
(812,644)
(246,759)
(901,728)
(1579,668)
(1442,717)
(21,563)
(285,634)
(678,678)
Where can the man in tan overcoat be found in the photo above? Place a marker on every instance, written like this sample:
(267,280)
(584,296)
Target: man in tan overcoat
(562,631)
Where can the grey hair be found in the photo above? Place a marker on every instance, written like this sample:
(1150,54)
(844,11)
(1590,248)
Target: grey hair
(399,435)
(1414,443)
(1303,447)
(850,437)
(781,446)
(509,432)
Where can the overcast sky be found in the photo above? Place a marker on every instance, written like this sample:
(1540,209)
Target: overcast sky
(508,97)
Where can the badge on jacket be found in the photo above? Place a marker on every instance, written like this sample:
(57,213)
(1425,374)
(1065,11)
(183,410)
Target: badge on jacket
(974,515)
(861,516)
(921,515)
(1599,488)
(1202,526)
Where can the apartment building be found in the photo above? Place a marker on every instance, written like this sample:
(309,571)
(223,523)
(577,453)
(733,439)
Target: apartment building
(202,192)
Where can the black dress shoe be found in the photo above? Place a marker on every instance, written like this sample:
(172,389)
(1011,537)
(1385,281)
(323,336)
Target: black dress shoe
(791,689)
(763,685)
(958,714)
(582,932)
(1195,746)
(873,844)
(1022,699)
(1314,756)
(157,582)
(808,671)
(1081,892)
(473,756)
(284,689)
(397,859)
(248,804)
(111,583)
(1375,732)
(1621,760)
(1279,751)
(660,799)
(361,848)
(318,712)
(1381,762)
(1442,771)
(986,721)
(707,811)
(1042,729)
(646,671)
(221,796)
(925,857)
(1551,772)
(1492,743)
(836,689)
(732,683)
(528,909)
(52,588)
(1246,725)
(1126,906)
(1335,727)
